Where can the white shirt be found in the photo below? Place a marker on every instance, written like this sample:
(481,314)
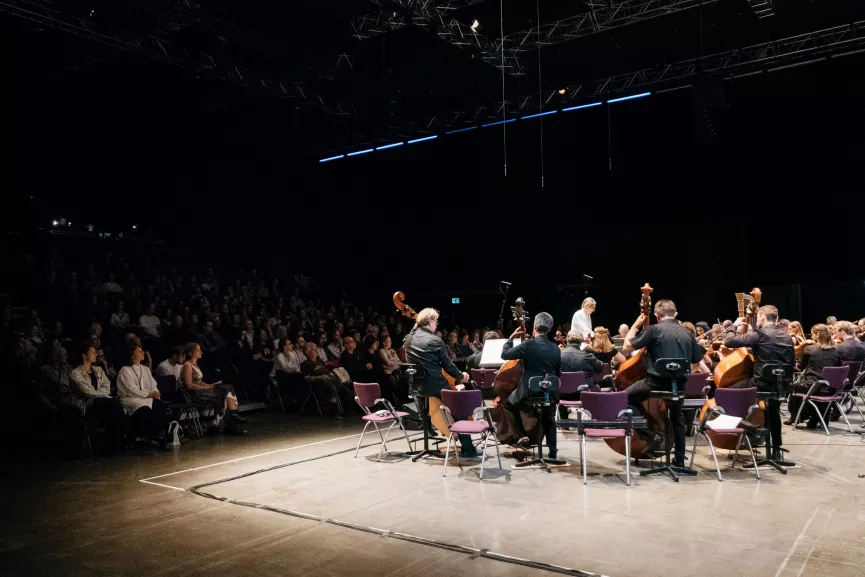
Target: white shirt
(166,368)
(134,383)
(120,320)
(582,322)
(149,324)
(299,357)
(286,364)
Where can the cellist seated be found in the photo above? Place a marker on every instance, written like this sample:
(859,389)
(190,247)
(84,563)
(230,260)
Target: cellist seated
(665,340)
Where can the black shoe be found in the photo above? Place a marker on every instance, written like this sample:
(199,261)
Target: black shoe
(680,463)
(813,424)
(552,455)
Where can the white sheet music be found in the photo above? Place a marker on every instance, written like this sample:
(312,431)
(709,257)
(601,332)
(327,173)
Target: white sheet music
(724,422)
(491,357)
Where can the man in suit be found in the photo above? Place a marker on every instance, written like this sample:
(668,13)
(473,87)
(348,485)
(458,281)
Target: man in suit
(541,357)
(850,348)
(430,357)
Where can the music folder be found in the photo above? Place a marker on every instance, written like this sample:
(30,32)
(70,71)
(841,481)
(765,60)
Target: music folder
(491,356)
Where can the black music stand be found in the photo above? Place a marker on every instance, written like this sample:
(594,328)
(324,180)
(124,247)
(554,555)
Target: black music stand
(674,370)
(542,385)
(781,374)
(423,411)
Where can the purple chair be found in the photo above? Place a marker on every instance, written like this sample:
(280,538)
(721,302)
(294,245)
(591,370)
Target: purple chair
(458,407)
(478,378)
(367,395)
(605,407)
(834,378)
(571,383)
(489,377)
(696,390)
(849,395)
(735,403)
(598,378)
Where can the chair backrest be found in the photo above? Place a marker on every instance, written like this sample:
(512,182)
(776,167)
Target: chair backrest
(571,382)
(736,402)
(836,376)
(331,364)
(400,352)
(855,368)
(478,377)
(695,384)
(462,404)
(672,368)
(604,406)
(367,393)
(489,377)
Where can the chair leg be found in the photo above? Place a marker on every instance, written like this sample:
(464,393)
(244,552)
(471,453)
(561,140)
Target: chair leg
(379,432)
(384,441)
(714,456)
(820,416)
(843,414)
(736,452)
(447,455)
(404,432)
(359,441)
(693,451)
(584,453)
(628,460)
(279,396)
(753,458)
(484,458)
(799,412)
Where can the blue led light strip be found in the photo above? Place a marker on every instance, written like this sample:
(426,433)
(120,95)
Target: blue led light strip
(360,152)
(461,130)
(499,122)
(580,107)
(332,158)
(386,146)
(631,97)
(539,114)
(422,139)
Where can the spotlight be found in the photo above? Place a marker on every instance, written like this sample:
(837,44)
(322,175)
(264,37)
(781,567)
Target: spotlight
(475,25)
(134,227)
(54,223)
(90,228)
(562,90)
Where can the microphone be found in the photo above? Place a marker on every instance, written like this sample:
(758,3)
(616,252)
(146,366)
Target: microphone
(505,282)
(589,277)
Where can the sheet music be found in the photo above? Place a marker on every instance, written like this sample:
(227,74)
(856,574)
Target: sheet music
(491,357)
(724,422)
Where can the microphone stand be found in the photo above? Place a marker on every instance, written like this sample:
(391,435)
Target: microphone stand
(502,311)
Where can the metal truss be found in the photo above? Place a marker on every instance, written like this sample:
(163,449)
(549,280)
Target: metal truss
(762,8)
(601,16)
(789,52)
(156,45)
(435,17)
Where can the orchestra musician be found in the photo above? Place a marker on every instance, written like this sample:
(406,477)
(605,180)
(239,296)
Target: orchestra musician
(823,353)
(430,356)
(850,348)
(540,357)
(796,333)
(665,340)
(769,344)
(582,320)
(602,348)
(574,360)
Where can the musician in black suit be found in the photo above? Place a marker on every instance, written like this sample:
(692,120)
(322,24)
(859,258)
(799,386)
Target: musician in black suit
(540,357)
(429,355)
(850,348)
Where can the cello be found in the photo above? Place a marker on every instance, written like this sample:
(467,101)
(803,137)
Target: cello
(654,409)
(408,312)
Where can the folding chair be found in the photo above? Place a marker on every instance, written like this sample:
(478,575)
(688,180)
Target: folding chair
(598,378)
(571,383)
(850,392)
(834,378)
(605,407)
(367,396)
(736,403)
(310,394)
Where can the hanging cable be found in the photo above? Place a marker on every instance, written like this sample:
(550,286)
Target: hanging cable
(504,102)
(540,85)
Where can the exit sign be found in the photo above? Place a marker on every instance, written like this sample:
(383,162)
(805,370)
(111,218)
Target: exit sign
(455,301)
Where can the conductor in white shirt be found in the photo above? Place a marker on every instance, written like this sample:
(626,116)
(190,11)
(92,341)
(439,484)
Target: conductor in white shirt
(582,320)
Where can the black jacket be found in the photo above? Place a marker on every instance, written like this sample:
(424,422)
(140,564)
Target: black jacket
(852,350)
(770,344)
(574,360)
(540,357)
(430,356)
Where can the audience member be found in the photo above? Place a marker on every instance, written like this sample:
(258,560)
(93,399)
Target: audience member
(137,391)
(119,318)
(91,391)
(219,396)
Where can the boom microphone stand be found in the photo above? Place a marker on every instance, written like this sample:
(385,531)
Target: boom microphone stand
(507,285)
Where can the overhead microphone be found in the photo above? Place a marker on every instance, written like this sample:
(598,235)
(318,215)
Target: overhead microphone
(505,282)
(589,277)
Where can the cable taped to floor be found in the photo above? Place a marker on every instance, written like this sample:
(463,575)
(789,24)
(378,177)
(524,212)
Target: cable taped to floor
(470,551)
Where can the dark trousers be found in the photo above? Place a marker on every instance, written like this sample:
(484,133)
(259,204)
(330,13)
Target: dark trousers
(149,422)
(547,424)
(772,414)
(808,413)
(639,392)
(108,412)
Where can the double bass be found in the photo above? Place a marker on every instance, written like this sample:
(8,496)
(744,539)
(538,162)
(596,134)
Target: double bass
(737,366)
(654,409)
(508,378)
(408,312)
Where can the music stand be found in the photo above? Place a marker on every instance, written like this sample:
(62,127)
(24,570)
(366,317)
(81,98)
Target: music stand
(423,410)
(542,385)
(674,370)
(780,373)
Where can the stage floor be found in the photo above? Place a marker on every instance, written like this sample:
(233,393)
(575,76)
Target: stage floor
(97,517)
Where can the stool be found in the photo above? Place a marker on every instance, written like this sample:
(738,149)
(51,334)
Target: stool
(543,384)
(675,370)
(780,374)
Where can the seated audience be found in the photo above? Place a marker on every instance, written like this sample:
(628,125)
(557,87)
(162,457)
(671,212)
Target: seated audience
(137,391)
(324,382)
(173,364)
(151,326)
(220,397)
(91,392)
(119,318)
(335,348)
(352,361)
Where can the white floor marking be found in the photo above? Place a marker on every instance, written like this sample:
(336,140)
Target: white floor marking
(796,543)
(814,546)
